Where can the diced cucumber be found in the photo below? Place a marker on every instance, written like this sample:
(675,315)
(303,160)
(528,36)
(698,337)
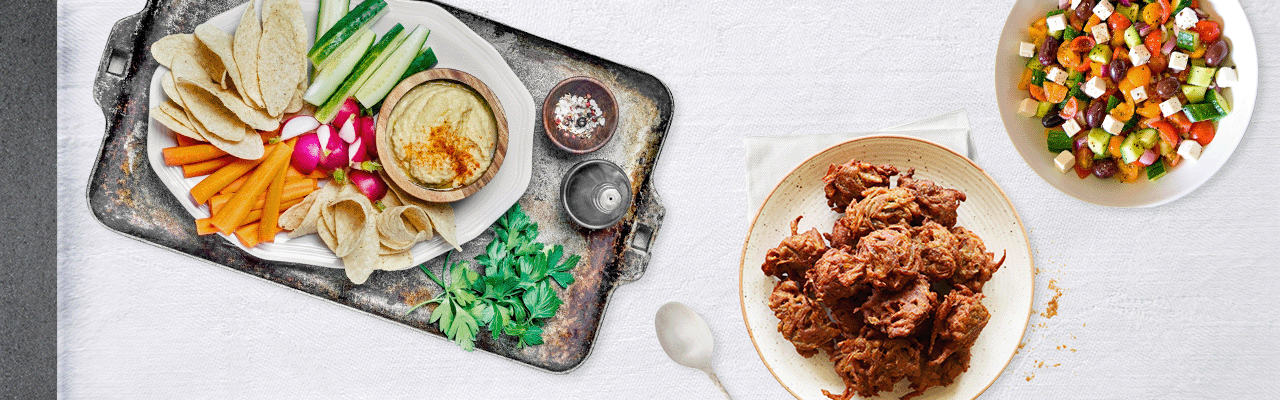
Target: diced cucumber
(367,64)
(1195,94)
(1075,77)
(1053,12)
(346,27)
(330,12)
(1058,141)
(1133,121)
(1043,109)
(1156,170)
(1098,141)
(388,74)
(1078,94)
(1130,12)
(1129,149)
(1037,77)
(1112,102)
(1165,148)
(1100,54)
(1069,33)
(335,73)
(1201,112)
(1147,138)
(1197,62)
(1181,4)
(1034,63)
(1132,38)
(1201,76)
(427,60)
(1214,98)
(1188,40)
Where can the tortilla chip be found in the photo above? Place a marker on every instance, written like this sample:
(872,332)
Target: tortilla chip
(252,116)
(175,125)
(219,42)
(310,210)
(278,59)
(250,148)
(167,47)
(351,233)
(399,228)
(442,218)
(208,110)
(245,49)
(395,261)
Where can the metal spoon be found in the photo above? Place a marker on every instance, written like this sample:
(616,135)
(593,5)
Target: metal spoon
(686,339)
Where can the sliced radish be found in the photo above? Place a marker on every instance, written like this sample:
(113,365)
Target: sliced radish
(307,153)
(367,131)
(298,125)
(335,158)
(368,183)
(327,137)
(348,131)
(349,109)
(357,153)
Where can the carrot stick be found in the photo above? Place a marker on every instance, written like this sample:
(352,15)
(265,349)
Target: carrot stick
(241,203)
(271,207)
(185,141)
(218,180)
(204,226)
(291,174)
(183,155)
(317,174)
(292,190)
(206,167)
(248,235)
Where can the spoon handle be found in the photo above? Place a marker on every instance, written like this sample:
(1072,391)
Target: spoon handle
(712,374)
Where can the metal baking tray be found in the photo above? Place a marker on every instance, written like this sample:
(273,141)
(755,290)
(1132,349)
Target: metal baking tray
(126,195)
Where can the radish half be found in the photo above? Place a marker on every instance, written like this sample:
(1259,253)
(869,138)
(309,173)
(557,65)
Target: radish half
(298,125)
(369,184)
(307,153)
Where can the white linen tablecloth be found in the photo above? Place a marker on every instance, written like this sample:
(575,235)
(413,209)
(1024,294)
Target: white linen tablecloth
(1176,301)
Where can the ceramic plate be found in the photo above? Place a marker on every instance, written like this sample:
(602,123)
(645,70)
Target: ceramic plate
(457,47)
(987,212)
(1027,133)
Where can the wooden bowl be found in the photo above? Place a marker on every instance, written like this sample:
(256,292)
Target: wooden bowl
(580,86)
(387,152)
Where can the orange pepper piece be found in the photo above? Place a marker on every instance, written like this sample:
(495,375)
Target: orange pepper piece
(1037,92)
(1123,112)
(1025,82)
(1054,93)
(1138,76)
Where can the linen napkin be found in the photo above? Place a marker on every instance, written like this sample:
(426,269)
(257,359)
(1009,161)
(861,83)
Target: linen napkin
(770,158)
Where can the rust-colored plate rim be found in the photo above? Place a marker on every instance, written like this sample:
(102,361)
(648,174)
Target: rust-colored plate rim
(751,228)
(392,166)
(548,114)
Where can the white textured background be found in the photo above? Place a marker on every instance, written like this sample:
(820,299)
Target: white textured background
(1177,301)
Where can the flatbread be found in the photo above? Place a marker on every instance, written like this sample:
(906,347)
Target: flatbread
(174,125)
(219,42)
(245,48)
(256,118)
(208,110)
(167,47)
(278,59)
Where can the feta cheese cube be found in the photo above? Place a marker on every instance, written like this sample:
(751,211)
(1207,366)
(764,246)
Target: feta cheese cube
(1026,49)
(1112,125)
(1171,106)
(1071,127)
(1057,75)
(1095,87)
(1056,23)
(1064,161)
(1028,107)
(1101,34)
(1139,55)
(1227,77)
(1178,60)
(1139,94)
(1103,10)
(1075,3)
(1190,149)
(1187,18)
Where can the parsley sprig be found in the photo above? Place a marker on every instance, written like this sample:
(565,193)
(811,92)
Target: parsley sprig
(513,297)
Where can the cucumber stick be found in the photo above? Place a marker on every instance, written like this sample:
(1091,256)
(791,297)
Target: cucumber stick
(388,74)
(360,17)
(330,12)
(334,73)
(425,61)
(366,66)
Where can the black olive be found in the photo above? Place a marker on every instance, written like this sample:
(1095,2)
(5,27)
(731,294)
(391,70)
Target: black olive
(1105,168)
(1216,52)
(1049,51)
(1052,119)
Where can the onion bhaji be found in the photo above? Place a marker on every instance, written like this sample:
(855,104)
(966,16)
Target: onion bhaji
(795,255)
(801,320)
(846,182)
(936,202)
(897,295)
(881,208)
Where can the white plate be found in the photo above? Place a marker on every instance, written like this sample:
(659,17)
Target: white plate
(457,47)
(987,212)
(1027,133)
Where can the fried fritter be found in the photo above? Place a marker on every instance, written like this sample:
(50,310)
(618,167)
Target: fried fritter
(880,209)
(872,363)
(846,182)
(939,249)
(847,314)
(959,319)
(835,276)
(795,255)
(936,202)
(898,314)
(801,320)
(939,375)
(888,258)
(974,265)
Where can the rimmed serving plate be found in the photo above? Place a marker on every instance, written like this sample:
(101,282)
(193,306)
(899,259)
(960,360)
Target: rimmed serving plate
(457,48)
(987,212)
(1027,134)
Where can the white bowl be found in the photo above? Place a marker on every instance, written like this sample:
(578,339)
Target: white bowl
(1027,133)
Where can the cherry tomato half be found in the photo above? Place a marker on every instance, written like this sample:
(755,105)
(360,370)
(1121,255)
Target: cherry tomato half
(1209,31)
(1069,111)
(1202,132)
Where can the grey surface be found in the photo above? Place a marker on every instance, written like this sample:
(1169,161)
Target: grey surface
(28,277)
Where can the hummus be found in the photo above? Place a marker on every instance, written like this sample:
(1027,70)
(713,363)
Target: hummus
(443,134)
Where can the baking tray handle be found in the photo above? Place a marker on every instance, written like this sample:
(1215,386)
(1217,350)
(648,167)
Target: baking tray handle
(118,60)
(644,230)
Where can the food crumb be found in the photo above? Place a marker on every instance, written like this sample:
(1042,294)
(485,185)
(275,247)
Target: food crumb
(1030,376)
(1057,365)
(1052,309)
